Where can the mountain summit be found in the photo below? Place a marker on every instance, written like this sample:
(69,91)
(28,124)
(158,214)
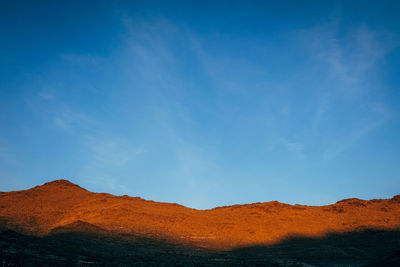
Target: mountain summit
(61,182)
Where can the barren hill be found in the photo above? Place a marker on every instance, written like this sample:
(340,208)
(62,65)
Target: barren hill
(42,209)
(62,207)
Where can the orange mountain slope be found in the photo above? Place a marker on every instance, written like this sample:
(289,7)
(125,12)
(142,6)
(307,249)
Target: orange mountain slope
(62,204)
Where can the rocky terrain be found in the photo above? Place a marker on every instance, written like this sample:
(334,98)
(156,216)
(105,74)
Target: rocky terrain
(60,223)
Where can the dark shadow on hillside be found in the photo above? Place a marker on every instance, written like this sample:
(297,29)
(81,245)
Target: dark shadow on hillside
(82,244)
(370,247)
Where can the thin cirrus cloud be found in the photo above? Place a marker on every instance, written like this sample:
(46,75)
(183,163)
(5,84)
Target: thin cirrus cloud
(346,62)
(352,82)
(150,63)
(208,116)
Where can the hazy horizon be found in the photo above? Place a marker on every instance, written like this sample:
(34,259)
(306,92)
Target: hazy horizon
(202,103)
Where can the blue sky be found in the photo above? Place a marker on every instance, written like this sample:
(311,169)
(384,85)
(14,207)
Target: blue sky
(202,103)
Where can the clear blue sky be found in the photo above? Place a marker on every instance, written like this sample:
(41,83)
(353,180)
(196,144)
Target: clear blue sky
(203,103)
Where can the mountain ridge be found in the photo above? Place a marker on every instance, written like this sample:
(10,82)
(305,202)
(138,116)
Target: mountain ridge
(60,204)
(64,183)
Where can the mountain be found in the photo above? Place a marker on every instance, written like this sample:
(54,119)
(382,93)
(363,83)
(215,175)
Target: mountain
(57,211)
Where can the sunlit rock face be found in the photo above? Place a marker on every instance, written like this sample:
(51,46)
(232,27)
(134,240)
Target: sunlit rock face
(61,206)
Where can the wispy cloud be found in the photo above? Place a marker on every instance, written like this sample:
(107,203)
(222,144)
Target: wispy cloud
(45,95)
(73,121)
(349,65)
(350,58)
(7,158)
(107,156)
(81,59)
(343,143)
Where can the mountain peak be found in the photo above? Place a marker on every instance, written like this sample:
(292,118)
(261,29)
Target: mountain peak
(61,183)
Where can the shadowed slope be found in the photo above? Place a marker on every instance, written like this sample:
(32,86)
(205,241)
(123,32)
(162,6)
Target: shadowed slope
(354,248)
(81,244)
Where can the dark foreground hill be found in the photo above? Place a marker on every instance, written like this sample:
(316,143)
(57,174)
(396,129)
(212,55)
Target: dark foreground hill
(62,224)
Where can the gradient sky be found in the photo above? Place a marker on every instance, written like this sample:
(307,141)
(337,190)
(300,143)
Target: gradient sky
(203,103)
